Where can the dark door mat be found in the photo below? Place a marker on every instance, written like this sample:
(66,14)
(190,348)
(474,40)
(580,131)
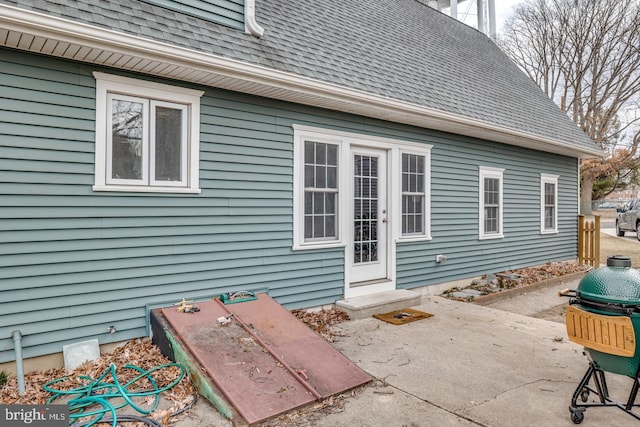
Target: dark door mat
(400,317)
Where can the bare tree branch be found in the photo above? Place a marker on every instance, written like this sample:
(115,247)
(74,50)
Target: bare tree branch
(585,55)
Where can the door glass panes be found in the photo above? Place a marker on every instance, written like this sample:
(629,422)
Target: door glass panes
(491,204)
(127,139)
(321,190)
(413,195)
(365,209)
(168,144)
(549,205)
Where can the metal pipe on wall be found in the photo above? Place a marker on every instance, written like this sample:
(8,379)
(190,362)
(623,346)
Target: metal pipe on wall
(454,9)
(17,344)
(492,19)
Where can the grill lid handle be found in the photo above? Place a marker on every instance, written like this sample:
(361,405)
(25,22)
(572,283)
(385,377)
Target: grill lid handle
(618,261)
(567,293)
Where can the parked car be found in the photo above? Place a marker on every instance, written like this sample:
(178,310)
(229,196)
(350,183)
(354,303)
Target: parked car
(607,205)
(628,218)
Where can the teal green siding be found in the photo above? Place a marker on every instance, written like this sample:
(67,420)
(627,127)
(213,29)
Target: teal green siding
(74,261)
(225,12)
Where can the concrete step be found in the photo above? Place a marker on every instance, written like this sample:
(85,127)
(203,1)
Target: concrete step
(381,302)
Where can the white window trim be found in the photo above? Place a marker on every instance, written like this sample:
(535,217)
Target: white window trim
(426,233)
(298,198)
(548,179)
(496,173)
(346,140)
(109,83)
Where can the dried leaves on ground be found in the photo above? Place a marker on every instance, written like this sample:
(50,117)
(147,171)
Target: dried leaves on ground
(543,272)
(140,353)
(321,321)
(310,414)
(510,279)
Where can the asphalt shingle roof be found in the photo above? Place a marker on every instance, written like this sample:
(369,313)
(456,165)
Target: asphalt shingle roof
(400,49)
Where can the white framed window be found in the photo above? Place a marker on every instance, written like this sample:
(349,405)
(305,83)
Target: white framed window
(491,203)
(147,136)
(414,170)
(548,203)
(320,191)
(317,198)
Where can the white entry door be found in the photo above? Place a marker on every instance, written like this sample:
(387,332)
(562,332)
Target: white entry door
(367,246)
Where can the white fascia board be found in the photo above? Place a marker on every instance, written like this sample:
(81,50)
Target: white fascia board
(344,99)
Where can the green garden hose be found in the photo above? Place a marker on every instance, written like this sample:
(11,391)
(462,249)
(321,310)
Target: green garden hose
(98,394)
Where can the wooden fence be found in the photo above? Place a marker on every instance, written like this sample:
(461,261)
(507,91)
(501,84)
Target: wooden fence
(589,241)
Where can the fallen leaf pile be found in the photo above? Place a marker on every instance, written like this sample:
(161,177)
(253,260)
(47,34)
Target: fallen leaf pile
(321,321)
(141,353)
(510,279)
(543,272)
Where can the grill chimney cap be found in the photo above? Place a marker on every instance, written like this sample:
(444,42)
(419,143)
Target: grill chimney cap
(618,261)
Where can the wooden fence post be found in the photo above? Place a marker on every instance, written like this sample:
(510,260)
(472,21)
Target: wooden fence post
(596,244)
(580,239)
(589,241)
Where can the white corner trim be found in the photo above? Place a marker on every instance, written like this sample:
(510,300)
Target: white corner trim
(250,24)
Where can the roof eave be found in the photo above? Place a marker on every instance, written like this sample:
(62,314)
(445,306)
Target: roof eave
(44,34)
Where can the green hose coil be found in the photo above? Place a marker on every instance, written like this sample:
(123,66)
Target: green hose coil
(100,393)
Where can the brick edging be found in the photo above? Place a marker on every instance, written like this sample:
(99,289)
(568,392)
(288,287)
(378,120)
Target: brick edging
(519,290)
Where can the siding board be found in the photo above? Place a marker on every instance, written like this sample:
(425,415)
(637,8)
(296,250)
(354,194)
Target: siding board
(119,236)
(40,131)
(49,110)
(41,147)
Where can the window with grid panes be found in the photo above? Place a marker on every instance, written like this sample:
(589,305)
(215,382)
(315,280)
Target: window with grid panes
(548,203)
(490,210)
(413,194)
(320,191)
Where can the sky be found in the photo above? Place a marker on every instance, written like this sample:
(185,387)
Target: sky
(504,9)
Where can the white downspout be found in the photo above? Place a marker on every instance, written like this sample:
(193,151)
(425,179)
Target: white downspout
(251,25)
(17,343)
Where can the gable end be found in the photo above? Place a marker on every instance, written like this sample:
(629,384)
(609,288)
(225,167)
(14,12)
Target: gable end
(229,13)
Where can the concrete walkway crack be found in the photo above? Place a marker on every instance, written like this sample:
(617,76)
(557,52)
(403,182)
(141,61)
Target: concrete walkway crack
(541,380)
(434,404)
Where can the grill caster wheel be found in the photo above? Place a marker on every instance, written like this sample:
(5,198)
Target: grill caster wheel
(577,416)
(584,395)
